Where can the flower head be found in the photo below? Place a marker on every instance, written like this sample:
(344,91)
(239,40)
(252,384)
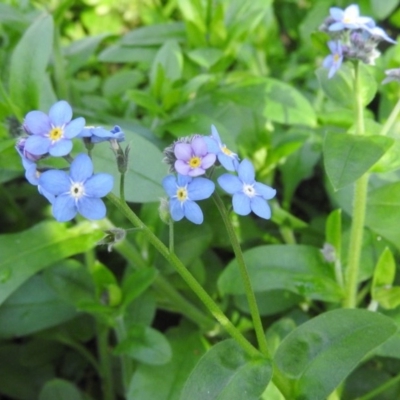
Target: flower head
(193,158)
(248,195)
(98,134)
(349,18)
(228,159)
(183,191)
(334,60)
(392,75)
(52,133)
(80,191)
(377,33)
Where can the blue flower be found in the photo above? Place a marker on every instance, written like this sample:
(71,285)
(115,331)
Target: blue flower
(248,195)
(183,191)
(349,18)
(378,33)
(80,191)
(228,159)
(52,133)
(193,158)
(98,134)
(334,60)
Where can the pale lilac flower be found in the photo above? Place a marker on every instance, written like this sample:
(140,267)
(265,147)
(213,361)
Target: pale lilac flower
(183,191)
(228,159)
(80,191)
(193,158)
(52,133)
(334,60)
(248,195)
(349,18)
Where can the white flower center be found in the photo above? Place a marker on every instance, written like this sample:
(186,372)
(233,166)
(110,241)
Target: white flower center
(77,190)
(181,194)
(249,190)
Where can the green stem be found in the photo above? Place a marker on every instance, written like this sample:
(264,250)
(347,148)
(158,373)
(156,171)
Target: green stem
(171,236)
(105,361)
(251,298)
(359,209)
(122,186)
(391,120)
(187,277)
(127,366)
(381,388)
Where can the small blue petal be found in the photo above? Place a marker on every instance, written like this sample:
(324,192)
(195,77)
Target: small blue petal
(246,172)
(61,148)
(37,145)
(229,163)
(230,183)
(264,191)
(81,168)
(183,180)
(200,189)
(74,128)
(55,182)
(176,209)
(64,208)
(212,145)
(91,208)
(241,204)
(60,113)
(99,185)
(170,185)
(193,212)
(37,123)
(260,207)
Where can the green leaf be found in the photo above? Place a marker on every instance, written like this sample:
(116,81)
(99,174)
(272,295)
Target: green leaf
(33,307)
(146,345)
(385,270)
(145,169)
(122,54)
(165,382)
(29,61)
(347,157)
(205,57)
(145,100)
(298,268)
(136,283)
(26,253)
(333,231)
(387,297)
(155,34)
(383,9)
(60,389)
(286,105)
(340,88)
(225,372)
(383,212)
(322,352)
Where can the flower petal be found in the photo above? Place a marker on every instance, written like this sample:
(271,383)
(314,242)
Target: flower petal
(336,13)
(91,207)
(212,145)
(241,204)
(37,123)
(208,160)
(264,191)
(176,209)
(183,180)
(60,113)
(215,134)
(37,145)
(230,183)
(182,167)
(246,172)
(229,163)
(99,185)
(199,146)
(260,207)
(170,185)
(196,172)
(64,208)
(200,189)
(74,128)
(55,182)
(193,212)
(183,151)
(61,148)
(81,168)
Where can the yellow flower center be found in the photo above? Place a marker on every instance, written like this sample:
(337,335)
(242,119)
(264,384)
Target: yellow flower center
(195,162)
(56,134)
(181,194)
(77,190)
(226,151)
(336,57)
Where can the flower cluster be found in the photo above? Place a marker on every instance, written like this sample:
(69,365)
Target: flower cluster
(51,134)
(352,37)
(190,157)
